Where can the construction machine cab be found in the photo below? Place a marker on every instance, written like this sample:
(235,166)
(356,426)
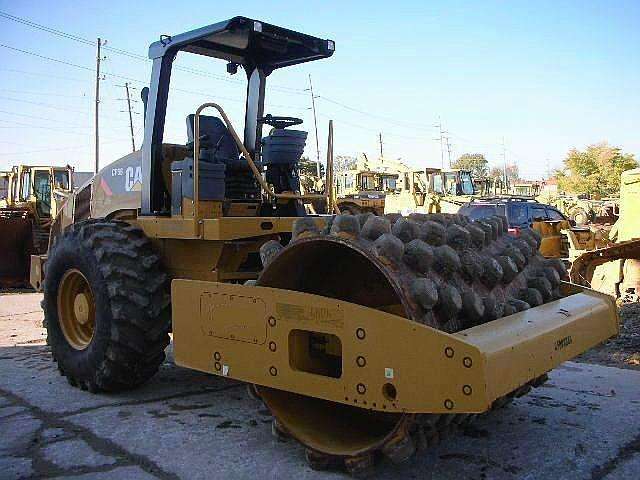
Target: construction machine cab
(452,182)
(259,49)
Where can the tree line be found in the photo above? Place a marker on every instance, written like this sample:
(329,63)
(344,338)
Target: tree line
(594,171)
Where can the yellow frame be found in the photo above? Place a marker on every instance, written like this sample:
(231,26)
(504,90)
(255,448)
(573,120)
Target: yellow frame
(242,332)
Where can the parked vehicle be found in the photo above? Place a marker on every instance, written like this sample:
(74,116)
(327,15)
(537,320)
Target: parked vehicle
(520,212)
(523,213)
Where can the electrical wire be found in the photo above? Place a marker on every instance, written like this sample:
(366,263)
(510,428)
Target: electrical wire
(132,55)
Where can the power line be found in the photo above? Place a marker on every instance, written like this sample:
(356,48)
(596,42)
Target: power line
(54,107)
(46,58)
(46,94)
(369,114)
(69,132)
(76,125)
(43,104)
(40,74)
(343,122)
(133,55)
(130,79)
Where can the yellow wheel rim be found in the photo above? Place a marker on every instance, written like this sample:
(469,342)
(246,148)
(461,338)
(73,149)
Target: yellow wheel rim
(76,309)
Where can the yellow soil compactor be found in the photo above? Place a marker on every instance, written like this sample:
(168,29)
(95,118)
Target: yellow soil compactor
(365,336)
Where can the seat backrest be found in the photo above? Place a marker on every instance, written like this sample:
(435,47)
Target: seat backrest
(218,139)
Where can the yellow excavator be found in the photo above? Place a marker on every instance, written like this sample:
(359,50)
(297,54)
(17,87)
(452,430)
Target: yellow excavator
(365,336)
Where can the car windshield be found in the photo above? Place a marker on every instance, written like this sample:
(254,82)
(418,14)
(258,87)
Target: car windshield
(538,213)
(476,212)
(518,214)
(466,183)
(554,214)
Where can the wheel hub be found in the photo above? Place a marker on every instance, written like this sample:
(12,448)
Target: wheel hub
(81,308)
(76,309)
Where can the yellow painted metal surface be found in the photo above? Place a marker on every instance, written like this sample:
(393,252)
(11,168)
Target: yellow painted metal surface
(532,342)
(551,232)
(250,334)
(170,227)
(233,228)
(224,228)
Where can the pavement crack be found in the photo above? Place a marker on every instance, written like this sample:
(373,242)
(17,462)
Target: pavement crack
(624,453)
(44,468)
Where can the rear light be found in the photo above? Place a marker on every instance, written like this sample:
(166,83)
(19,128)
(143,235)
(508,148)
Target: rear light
(515,231)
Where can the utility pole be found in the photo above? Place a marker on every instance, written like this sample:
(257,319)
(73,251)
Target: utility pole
(548,169)
(133,139)
(441,138)
(315,124)
(98,60)
(448,149)
(504,164)
(380,141)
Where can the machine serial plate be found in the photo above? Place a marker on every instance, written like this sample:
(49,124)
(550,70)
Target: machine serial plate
(310,315)
(233,317)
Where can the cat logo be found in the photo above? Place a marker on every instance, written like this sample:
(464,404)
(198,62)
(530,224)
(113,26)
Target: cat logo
(133,179)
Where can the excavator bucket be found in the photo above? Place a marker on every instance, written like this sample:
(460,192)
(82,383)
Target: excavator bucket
(16,247)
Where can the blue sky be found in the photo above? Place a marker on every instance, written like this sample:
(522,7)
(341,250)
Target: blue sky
(546,76)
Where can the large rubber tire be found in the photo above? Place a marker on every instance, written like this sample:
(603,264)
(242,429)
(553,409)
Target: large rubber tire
(130,301)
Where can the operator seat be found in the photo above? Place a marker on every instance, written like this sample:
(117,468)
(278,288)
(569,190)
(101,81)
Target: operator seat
(216,143)
(217,146)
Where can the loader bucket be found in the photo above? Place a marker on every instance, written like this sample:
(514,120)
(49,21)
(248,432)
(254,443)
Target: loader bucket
(16,247)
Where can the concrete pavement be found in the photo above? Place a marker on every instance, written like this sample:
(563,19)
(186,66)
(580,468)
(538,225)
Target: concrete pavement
(583,424)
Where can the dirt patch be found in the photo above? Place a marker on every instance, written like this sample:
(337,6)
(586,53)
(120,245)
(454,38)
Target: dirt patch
(624,350)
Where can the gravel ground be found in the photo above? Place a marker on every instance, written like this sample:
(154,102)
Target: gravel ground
(624,350)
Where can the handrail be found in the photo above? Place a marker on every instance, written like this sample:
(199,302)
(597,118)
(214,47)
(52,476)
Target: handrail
(245,153)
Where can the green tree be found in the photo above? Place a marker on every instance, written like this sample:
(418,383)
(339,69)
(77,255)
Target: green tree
(475,162)
(595,171)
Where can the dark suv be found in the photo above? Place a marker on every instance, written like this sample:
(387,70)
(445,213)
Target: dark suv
(520,212)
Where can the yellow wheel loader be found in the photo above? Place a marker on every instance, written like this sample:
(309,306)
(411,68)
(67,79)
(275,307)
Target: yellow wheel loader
(364,191)
(365,336)
(431,190)
(31,198)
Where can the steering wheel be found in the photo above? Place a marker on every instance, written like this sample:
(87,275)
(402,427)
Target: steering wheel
(280,122)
